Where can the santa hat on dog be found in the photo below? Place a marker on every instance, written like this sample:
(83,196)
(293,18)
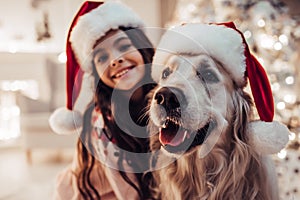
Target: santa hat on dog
(227,44)
(92,21)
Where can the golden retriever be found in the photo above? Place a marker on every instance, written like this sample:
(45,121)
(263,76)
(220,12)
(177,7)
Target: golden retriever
(201,149)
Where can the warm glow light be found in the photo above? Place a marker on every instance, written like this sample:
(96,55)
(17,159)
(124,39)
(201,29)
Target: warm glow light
(275,86)
(62,58)
(261,60)
(277,46)
(289,98)
(261,23)
(191,7)
(12,49)
(292,136)
(284,39)
(280,105)
(289,80)
(16,85)
(31,89)
(247,34)
(5,85)
(282,154)
(266,41)
(9,117)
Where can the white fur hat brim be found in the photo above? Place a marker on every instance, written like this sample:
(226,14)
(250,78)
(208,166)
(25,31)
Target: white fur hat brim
(218,41)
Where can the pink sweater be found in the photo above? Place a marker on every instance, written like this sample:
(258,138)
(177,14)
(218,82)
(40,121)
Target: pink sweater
(110,186)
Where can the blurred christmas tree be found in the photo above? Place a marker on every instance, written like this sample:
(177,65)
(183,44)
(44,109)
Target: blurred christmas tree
(272,30)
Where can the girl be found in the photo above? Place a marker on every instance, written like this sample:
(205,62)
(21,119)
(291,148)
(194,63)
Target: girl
(108,78)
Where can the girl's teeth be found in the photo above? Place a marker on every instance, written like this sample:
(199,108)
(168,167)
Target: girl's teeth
(122,73)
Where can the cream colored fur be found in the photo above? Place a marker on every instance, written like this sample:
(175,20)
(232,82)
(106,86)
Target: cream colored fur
(225,166)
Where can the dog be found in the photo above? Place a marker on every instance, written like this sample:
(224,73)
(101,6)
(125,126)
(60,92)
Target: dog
(199,120)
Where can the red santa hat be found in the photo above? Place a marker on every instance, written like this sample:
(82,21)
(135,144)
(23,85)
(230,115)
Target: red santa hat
(227,44)
(92,21)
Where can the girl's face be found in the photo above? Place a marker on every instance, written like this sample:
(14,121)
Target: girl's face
(118,63)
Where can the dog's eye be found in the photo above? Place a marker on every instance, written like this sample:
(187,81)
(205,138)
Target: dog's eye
(166,73)
(208,76)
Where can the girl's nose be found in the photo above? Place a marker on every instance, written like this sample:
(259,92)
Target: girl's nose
(117,62)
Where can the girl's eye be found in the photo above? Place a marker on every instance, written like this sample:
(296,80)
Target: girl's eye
(208,76)
(102,58)
(124,47)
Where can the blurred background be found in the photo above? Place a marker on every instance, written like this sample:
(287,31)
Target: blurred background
(32,79)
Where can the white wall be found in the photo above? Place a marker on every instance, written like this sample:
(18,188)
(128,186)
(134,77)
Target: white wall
(26,66)
(149,11)
(18,20)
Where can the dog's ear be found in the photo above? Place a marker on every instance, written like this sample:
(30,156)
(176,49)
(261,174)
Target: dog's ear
(267,137)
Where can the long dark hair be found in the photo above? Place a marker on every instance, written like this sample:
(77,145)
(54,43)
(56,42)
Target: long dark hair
(124,141)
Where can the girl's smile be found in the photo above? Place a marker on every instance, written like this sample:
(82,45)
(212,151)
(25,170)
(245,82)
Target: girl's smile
(122,72)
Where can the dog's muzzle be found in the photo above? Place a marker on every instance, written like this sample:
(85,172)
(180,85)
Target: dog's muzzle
(171,102)
(170,98)
(172,134)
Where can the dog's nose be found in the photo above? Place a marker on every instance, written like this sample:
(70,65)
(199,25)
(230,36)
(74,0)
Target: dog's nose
(170,98)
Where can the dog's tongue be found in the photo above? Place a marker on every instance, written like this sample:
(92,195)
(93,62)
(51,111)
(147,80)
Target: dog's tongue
(172,136)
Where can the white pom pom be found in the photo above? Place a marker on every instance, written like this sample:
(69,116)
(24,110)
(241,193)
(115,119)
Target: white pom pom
(268,137)
(64,121)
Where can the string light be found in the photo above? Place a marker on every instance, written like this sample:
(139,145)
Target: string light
(275,87)
(282,154)
(261,23)
(289,80)
(290,98)
(247,34)
(284,39)
(277,46)
(280,105)
(266,41)
(292,136)
(62,57)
